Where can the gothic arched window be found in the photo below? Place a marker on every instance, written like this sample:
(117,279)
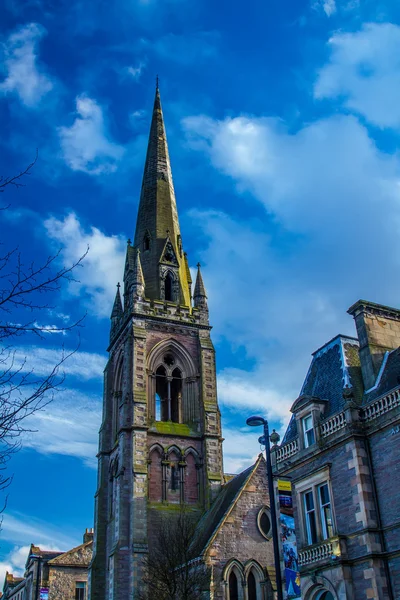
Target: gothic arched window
(169,287)
(252,587)
(146,242)
(168,394)
(233,586)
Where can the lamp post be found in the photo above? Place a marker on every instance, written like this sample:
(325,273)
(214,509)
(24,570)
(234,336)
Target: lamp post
(257,422)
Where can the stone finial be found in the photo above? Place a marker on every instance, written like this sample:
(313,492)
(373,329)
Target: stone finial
(199,294)
(274,437)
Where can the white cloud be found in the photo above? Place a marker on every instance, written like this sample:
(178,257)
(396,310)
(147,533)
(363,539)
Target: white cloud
(283,294)
(83,365)
(86,145)
(22,530)
(364,70)
(23,74)
(68,426)
(102,267)
(136,71)
(244,390)
(328,6)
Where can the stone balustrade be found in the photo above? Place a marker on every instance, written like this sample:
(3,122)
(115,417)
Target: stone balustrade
(327,550)
(333,424)
(287,450)
(381,406)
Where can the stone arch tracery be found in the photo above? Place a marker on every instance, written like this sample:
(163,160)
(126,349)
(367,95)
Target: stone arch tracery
(174,475)
(233,577)
(255,581)
(173,386)
(169,286)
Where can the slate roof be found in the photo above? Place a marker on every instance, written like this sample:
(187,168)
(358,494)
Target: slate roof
(333,366)
(213,518)
(388,377)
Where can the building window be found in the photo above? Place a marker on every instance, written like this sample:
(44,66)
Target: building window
(324,501)
(308,431)
(80,590)
(309,511)
(251,587)
(233,586)
(168,396)
(146,242)
(169,287)
(317,515)
(264,522)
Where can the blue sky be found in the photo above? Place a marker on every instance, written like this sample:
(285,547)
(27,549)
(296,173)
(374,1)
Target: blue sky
(283,122)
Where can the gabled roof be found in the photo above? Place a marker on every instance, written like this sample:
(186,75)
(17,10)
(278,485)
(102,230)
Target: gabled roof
(213,519)
(67,558)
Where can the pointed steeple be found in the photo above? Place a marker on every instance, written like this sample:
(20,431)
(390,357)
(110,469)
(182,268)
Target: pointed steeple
(157,218)
(137,277)
(117,308)
(199,295)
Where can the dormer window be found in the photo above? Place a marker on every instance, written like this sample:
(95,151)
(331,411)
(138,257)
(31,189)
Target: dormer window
(308,431)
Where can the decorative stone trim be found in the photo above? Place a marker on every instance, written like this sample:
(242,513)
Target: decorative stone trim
(381,406)
(286,451)
(333,424)
(327,550)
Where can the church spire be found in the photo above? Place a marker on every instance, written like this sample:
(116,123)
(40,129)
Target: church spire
(117,308)
(199,295)
(158,233)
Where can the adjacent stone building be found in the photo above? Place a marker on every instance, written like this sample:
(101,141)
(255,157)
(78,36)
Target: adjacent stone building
(53,575)
(341,453)
(160,440)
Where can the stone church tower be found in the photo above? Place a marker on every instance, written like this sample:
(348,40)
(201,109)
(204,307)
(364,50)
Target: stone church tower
(160,438)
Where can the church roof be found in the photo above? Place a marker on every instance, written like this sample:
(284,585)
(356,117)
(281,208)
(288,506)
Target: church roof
(157,217)
(213,519)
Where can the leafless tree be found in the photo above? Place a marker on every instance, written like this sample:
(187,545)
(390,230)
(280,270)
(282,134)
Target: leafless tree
(172,571)
(27,291)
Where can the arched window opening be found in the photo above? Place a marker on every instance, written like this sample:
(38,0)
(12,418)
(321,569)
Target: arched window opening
(168,395)
(324,595)
(146,242)
(176,395)
(191,480)
(158,408)
(162,394)
(173,478)
(252,587)
(155,476)
(233,586)
(169,287)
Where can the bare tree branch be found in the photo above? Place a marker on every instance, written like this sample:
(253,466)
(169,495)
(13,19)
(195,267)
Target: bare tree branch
(27,290)
(171,570)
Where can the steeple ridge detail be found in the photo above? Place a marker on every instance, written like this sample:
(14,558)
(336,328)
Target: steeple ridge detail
(117,308)
(157,220)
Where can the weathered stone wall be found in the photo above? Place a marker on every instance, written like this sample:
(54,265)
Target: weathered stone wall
(239,537)
(62,581)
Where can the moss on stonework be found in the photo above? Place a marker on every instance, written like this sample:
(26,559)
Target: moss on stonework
(167,427)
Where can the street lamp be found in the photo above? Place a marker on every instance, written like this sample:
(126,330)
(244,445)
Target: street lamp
(257,422)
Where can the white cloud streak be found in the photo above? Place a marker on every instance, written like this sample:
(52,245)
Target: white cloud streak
(67,426)
(24,76)
(364,71)
(82,365)
(85,144)
(101,268)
